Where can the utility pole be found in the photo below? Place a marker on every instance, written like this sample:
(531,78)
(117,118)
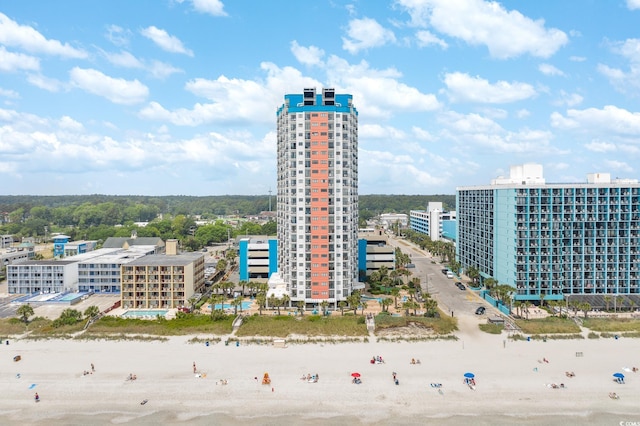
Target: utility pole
(269,199)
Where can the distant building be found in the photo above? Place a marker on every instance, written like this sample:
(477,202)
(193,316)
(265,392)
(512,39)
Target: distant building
(435,222)
(42,276)
(374,252)
(134,240)
(6,241)
(162,280)
(257,258)
(73,248)
(556,240)
(388,220)
(59,242)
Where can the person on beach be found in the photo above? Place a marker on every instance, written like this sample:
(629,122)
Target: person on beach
(37,397)
(93,368)
(194,367)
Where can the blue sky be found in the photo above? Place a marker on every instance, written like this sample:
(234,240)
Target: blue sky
(178,97)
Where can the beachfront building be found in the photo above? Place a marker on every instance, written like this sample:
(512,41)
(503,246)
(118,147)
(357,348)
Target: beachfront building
(317,195)
(436,222)
(374,252)
(100,273)
(6,241)
(42,276)
(134,240)
(16,254)
(59,241)
(257,258)
(162,280)
(557,240)
(73,248)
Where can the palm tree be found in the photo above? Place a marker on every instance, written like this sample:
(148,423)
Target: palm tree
(473,273)
(363,306)
(301,305)
(216,300)
(324,305)
(243,284)
(412,292)
(342,305)
(607,301)
(585,307)
(192,303)
(385,304)
(24,312)
(91,312)
(395,292)
(286,300)
(261,300)
(235,303)
(431,307)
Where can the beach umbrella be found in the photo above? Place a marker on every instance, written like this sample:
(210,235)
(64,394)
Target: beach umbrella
(469,375)
(355,374)
(618,375)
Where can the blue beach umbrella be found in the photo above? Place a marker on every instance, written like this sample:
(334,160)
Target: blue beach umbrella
(618,375)
(469,375)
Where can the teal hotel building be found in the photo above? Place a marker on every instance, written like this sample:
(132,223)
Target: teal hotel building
(558,240)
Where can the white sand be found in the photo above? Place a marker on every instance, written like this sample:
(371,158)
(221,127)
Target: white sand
(506,381)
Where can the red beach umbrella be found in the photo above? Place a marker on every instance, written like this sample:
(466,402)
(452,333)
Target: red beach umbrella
(355,374)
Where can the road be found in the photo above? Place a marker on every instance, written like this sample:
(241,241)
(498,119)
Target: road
(449,297)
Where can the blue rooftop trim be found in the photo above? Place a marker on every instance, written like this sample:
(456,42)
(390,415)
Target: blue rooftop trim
(296,104)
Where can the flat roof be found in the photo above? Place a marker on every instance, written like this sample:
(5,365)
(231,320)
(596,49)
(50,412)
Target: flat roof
(166,260)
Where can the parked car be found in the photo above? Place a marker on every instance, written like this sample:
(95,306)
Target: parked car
(480,310)
(444,271)
(449,274)
(461,286)
(410,265)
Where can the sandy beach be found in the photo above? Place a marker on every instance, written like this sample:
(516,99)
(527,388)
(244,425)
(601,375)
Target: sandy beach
(513,383)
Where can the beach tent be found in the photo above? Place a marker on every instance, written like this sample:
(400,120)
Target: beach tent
(618,375)
(469,375)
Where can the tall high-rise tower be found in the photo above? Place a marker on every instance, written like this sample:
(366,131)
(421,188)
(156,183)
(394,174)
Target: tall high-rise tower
(317,201)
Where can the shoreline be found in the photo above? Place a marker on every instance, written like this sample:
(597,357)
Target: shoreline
(512,382)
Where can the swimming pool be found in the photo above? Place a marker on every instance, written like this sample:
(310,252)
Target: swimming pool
(377,299)
(70,297)
(224,306)
(142,313)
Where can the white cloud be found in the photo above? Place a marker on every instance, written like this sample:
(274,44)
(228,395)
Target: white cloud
(577,58)
(506,34)
(371,88)
(68,123)
(619,166)
(633,4)
(211,7)
(426,38)
(475,132)
(165,41)
(118,35)
(125,59)
(462,87)
(234,100)
(568,99)
(609,119)
(599,146)
(625,82)
(366,33)
(117,90)
(548,69)
(8,93)
(10,61)
(25,37)
(311,55)
(45,83)
(422,134)
(523,113)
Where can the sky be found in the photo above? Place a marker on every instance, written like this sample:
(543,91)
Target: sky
(179,97)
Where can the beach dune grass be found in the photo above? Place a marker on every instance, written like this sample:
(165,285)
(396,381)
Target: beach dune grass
(186,324)
(549,325)
(309,325)
(442,326)
(610,325)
